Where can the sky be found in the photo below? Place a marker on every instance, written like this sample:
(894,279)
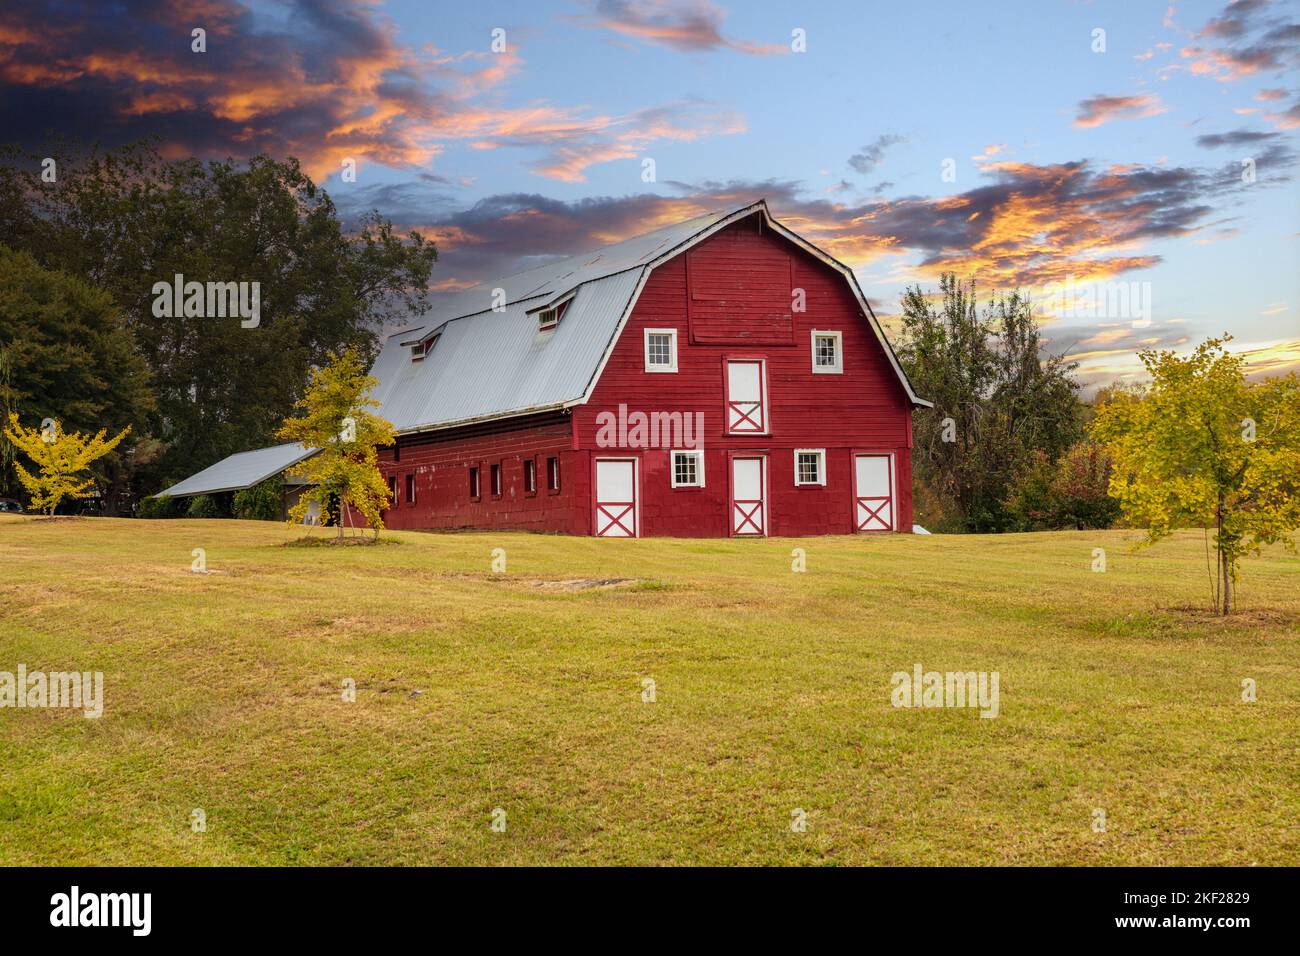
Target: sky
(1052,146)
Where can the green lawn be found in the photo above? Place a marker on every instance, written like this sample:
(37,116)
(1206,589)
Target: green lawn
(477,690)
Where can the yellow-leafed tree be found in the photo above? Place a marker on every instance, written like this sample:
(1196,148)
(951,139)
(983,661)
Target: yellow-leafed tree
(1203,447)
(337,421)
(61,459)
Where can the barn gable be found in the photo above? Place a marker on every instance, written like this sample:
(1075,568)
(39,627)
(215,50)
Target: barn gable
(486,364)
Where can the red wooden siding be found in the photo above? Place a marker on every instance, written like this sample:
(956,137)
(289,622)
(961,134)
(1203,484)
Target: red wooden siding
(723,297)
(439,463)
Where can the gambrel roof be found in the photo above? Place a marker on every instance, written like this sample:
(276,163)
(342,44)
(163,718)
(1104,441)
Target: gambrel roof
(490,364)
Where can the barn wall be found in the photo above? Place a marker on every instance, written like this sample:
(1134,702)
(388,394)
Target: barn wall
(723,305)
(440,463)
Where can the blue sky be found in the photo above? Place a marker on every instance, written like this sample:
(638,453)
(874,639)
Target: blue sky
(1066,159)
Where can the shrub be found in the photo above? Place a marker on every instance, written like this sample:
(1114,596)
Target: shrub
(262,502)
(164,507)
(204,506)
(1069,493)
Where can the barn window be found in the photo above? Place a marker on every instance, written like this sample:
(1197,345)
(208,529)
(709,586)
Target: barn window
(392,490)
(810,466)
(417,352)
(688,469)
(473,482)
(530,476)
(496,481)
(661,350)
(548,319)
(552,474)
(827,352)
(410,489)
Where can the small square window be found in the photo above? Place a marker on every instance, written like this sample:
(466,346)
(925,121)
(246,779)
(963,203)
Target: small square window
(496,481)
(473,482)
(530,476)
(410,489)
(688,469)
(661,350)
(552,474)
(827,352)
(810,466)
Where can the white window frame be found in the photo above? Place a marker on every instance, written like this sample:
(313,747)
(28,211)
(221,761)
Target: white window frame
(672,350)
(698,455)
(821,468)
(838,367)
(548,320)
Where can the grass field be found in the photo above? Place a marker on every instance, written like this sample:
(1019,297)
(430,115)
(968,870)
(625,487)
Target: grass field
(477,691)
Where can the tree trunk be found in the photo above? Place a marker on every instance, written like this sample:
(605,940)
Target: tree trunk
(1224,577)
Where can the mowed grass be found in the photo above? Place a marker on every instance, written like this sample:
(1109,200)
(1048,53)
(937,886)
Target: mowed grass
(477,691)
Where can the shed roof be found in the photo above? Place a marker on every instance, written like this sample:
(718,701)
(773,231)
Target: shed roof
(240,471)
(495,364)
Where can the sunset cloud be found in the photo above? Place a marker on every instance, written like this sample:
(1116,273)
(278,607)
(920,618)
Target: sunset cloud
(1028,225)
(339,86)
(1102,109)
(689,26)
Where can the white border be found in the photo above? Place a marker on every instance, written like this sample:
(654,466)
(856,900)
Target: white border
(699,466)
(838,367)
(645,341)
(821,472)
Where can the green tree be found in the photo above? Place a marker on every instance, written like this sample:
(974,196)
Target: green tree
(996,399)
(66,353)
(127,219)
(262,502)
(336,420)
(61,459)
(1202,447)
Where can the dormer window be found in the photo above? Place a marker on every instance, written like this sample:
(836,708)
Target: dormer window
(548,319)
(422,348)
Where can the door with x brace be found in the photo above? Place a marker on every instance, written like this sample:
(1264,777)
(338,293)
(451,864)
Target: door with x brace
(616,502)
(748,496)
(873,493)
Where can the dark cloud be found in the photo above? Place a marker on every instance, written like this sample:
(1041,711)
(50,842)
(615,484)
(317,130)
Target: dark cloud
(873,154)
(1236,137)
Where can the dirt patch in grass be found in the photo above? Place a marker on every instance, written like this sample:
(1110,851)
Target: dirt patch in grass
(1276,620)
(586,584)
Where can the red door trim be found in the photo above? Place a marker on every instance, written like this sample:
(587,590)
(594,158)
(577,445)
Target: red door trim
(765,406)
(856,499)
(629,508)
(765,505)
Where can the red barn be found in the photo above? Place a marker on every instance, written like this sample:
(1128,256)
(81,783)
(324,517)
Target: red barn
(718,377)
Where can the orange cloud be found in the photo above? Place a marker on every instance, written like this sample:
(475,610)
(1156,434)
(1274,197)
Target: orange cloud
(1101,108)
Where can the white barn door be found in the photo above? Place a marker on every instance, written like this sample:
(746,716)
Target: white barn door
(748,497)
(746,412)
(873,493)
(616,504)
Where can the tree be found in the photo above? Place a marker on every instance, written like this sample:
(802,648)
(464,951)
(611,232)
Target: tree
(337,422)
(60,458)
(1071,492)
(127,219)
(66,353)
(996,400)
(1203,447)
